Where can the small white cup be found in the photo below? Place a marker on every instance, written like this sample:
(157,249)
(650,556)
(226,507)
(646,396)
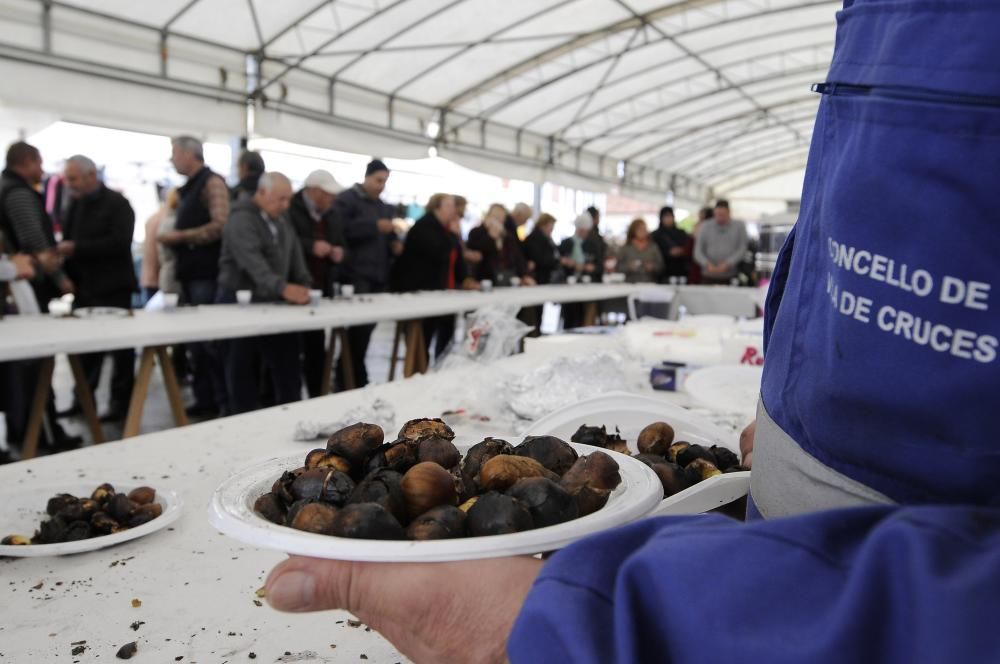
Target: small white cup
(585,279)
(515,281)
(347,290)
(243,297)
(315,295)
(170,301)
(571,279)
(486,285)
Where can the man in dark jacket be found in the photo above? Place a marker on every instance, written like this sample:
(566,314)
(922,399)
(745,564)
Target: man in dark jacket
(321,237)
(97,247)
(432,260)
(673,244)
(201,215)
(371,244)
(260,253)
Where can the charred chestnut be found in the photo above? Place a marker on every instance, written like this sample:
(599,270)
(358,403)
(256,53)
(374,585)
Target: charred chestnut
(440,451)
(599,437)
(15,540)
(547,502)
(282,486)
(367,521)
(103,493)
(672,477)
(500,472)
(144,514)
(480,453)
(143,495)
(356,442)
(705,469)
(655,438)
(383,487)
(693,452)
(416,429)
(498,514)
(724,457)
(52,531)
(676,449)
(271,507)
(78,530)
(321,458)
(59,502)
(399,456)
(442,522)
(120,508)
(555,454)
(591,480)
(427,485)
(314,518)
(330,486)
(104,524)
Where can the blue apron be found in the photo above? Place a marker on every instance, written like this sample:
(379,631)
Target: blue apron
(884,315)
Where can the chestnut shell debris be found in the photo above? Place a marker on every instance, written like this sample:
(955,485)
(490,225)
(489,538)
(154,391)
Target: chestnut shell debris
(419,487)
(105,512)
(680,464)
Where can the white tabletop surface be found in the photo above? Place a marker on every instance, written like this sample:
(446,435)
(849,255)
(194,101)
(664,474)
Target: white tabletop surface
(197,586)
(24,337)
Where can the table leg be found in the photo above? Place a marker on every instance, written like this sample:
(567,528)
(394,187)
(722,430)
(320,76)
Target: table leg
(415,359)
(589,314)
(86,398)
(30,447)
(134,418)
(327,374)
(172,386)
(422,359)
(394,357)
(346,361)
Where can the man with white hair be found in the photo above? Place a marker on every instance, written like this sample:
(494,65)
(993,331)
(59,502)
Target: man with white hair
(260,253)
(321,235)
(97,248)
(201,214)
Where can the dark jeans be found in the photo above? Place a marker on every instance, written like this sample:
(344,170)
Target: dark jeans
(279,353)
(313,355)
(358,338)
(440,329)
(17,390)
(123,360)
(209,378)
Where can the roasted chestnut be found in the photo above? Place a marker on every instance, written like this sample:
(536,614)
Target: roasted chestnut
(383,487)
(330,486)
(144,514)
(676,449)
(51,531)
(416,429)
(442,522)
(78,530)
(655,438)
(599,437)
(440,451)
(271,507)
(725,458)
(314,518)
(367,521)
(104,524)
(15,540)
(548,502)
(59,502)
(692,452)
(498,514)
(321,458)
(103,493)
(282,486)
(705,469)
(672,477)
(480,453)
(427,485)
(142,495)
(356,442)
(591,480)
(500,472)
(73,510)
(399,456)
(555,454)
(120,508)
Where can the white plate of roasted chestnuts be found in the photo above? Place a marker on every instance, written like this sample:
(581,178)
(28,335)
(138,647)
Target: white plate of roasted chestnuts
(424,496)
(77,517)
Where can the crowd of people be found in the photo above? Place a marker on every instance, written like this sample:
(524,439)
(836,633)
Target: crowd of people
(208,241)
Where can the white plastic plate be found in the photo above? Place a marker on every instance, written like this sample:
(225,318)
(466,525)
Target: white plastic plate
(24,509)
(729,388)
(231,512)
(630,413)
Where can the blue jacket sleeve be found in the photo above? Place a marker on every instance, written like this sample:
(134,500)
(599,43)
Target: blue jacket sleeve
(887,584)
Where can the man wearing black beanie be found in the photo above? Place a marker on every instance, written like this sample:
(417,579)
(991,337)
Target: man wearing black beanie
(371,243)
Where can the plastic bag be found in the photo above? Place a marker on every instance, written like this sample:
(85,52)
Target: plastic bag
(565,380)
(378,412)
(491,333)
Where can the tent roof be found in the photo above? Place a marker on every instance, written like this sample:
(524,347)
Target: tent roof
(691,95)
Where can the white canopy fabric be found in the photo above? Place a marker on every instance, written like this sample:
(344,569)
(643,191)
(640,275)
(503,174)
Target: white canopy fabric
(693,96)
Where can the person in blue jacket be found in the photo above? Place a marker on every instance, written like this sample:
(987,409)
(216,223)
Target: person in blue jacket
(876,461)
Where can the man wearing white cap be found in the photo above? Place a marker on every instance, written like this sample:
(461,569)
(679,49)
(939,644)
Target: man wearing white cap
(321,235)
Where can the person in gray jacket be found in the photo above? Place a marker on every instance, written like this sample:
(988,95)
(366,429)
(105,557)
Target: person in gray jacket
(261,253)
(720,246)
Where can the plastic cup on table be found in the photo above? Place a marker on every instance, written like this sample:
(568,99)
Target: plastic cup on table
(315,295)
(486,285)
(585,279)
(170,301)
(515,281)
(347,290)
(571,280)
(243,297)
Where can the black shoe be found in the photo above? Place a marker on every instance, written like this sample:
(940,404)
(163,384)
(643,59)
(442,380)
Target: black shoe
(6,457)
(73,411)
(66,443)
(202,412)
